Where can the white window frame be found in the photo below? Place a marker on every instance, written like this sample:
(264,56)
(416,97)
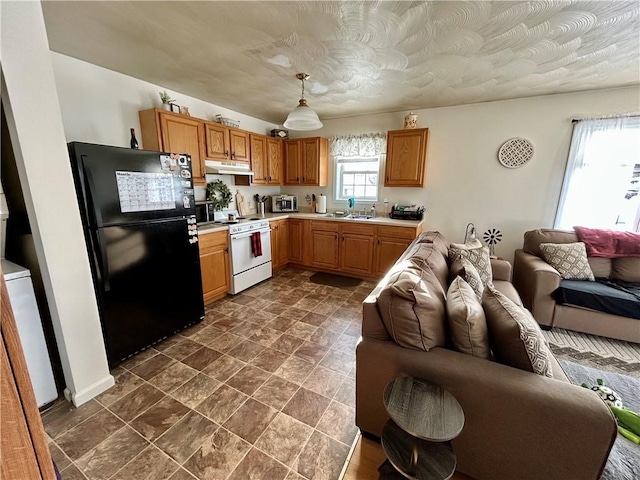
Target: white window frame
(588,165)
(340,161)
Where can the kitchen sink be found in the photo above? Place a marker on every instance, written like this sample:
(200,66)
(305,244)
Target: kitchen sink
(359,217)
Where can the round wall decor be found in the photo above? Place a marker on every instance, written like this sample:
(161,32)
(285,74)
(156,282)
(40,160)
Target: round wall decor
(515,152)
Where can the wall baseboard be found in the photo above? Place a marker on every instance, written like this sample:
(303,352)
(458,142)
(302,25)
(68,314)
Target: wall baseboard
(83,396)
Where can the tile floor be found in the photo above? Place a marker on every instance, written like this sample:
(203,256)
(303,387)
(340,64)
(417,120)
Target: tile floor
(262,389)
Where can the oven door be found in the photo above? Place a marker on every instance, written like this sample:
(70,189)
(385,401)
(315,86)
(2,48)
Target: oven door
(242,258)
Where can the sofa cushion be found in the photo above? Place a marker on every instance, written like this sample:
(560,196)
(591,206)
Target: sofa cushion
(428,254)
(508,290)
(516,339)
(467,323)
(626,269)
(464,268)
(609,296)
(534,238)
(569,259)
(609,243)
(412,307)
(601,267)
(477,255)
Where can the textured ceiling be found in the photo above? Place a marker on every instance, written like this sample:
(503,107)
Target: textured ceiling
(363,57)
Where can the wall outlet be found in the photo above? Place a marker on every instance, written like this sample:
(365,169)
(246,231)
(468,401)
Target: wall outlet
(250,204)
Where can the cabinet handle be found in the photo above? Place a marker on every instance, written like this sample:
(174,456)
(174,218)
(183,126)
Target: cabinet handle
(297,179)
(265,178)
(378,241)
(336,236)
(387,178)
(303,179)
(343,238)
(226,250)
(269,178)
(226,153)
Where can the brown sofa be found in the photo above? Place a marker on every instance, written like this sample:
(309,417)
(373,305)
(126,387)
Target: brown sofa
(536,281)
(518,425)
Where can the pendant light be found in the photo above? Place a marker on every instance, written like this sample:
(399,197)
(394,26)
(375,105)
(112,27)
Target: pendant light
(302,118)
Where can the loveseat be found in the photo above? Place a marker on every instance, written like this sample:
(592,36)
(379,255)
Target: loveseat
(538,284)
(518,425)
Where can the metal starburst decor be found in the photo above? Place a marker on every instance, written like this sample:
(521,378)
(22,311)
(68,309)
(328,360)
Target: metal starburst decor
(491,238)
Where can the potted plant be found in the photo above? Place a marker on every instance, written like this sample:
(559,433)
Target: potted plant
(166,100)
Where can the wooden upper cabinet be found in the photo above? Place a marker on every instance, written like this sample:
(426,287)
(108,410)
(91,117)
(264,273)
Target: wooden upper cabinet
(240,149)
(306,161)
(274,160)
(259,164)
(406,157)
(217,145)
(292,162)
(171,132)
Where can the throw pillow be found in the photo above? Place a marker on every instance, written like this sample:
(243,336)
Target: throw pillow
(569,259)
(467,321)
(412,308)
(464,268)
(477,255)
(516,338)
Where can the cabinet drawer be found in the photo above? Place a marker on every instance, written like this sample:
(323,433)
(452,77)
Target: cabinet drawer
(214,239)
(324,226)
(396,232)
(358,229)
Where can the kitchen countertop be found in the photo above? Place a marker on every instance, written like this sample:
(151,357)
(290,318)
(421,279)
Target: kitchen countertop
(212,227)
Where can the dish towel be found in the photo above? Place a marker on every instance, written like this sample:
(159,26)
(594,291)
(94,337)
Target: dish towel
(256,244)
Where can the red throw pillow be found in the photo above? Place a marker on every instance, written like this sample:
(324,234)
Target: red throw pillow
(609,243)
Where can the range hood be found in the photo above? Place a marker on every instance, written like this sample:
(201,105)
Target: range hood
(227,168)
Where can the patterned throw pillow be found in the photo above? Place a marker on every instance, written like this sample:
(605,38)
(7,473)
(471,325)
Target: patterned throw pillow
(464,268)
(477,255)
(467,322)
(516,338)
(569,259)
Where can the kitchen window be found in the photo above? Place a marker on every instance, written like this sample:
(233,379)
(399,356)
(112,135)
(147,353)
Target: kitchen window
(357,159)
(357,177)
(602,177)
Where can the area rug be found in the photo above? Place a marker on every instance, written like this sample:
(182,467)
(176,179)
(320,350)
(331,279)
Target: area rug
(624,459)
(597,352)
(331,280)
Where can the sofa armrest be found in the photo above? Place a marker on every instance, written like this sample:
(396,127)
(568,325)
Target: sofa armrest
(501,269)
(517,424)
(536,281)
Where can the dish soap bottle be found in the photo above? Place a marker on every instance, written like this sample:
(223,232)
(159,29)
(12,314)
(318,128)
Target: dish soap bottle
(372,213)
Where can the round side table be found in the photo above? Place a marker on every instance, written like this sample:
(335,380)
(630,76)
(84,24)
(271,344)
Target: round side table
(424,417)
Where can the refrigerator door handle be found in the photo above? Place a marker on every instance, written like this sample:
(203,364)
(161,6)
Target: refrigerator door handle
(92,188)
(103,261)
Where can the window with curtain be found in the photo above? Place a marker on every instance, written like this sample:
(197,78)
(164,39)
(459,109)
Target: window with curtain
(602,178)
(357,160)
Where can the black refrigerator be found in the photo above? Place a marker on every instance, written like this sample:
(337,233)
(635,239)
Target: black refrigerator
(138,213)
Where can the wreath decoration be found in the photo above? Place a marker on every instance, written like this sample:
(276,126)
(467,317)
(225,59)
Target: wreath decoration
(218,194)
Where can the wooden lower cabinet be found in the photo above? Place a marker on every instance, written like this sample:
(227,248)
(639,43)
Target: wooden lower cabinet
(296,234)
(324,245)
(280,243)
(356,249)
(214,265)
(357,244)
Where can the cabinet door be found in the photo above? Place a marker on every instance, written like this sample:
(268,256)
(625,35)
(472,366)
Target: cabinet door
(259,159)
(284,248)
(324,249)
(295,241)
(275,226)
(356,253)
(388,250)
(274,160)
(310,160)
(292,162)
(240,149)
(406,158)
(183,135)
(214,265)
(217,141)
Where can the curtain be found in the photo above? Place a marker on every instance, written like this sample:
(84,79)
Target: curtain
(600,187)
(360,145)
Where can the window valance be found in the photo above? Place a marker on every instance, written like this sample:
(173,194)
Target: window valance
(360,145)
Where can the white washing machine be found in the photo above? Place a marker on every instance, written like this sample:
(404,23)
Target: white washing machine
(25,311)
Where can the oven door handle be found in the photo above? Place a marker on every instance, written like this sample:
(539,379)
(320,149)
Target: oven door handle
(247,235)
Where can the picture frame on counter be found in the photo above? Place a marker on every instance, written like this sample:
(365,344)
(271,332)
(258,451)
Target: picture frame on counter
(175,108)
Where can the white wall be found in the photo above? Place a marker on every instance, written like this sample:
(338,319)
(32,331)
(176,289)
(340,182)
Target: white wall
(464,180)
(100,106)
(33,117)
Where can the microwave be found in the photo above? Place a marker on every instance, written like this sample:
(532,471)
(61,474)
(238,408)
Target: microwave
(284,203)
(204,212)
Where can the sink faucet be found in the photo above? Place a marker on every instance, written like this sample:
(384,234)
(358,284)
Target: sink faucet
(352,204)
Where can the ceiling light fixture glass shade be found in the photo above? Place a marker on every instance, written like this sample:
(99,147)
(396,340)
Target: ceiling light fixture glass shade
(302,118)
